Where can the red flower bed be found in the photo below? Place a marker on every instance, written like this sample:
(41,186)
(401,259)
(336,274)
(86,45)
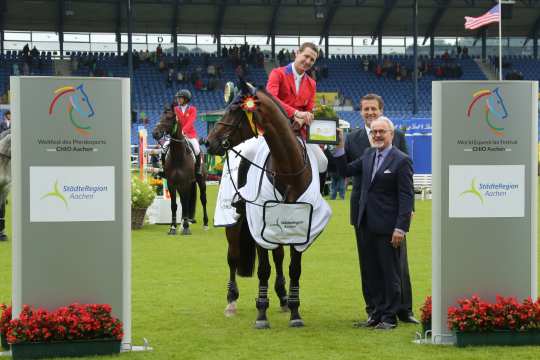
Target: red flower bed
(5,318)
(73,322)
(425,312)
(477,315)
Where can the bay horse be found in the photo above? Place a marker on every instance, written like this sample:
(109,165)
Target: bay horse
(179,171)
(286,167)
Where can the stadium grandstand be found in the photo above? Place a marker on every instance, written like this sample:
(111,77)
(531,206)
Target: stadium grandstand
(367,46)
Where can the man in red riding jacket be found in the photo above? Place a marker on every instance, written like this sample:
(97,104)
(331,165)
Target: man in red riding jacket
(296,90)
(186,114)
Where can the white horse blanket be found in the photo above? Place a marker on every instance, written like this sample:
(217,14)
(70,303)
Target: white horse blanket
(225,214)
(255,213)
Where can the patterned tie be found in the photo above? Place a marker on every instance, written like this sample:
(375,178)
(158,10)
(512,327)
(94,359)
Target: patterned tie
(376,165)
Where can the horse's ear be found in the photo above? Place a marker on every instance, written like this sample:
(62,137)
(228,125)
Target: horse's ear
(246,88)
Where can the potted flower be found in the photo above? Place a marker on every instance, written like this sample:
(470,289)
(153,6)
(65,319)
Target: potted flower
(505,322)
(5,318)
(142,195)
(157,183)
(74,330)
(425,315)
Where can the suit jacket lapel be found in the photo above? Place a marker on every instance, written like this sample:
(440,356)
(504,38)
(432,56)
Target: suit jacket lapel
(368,166)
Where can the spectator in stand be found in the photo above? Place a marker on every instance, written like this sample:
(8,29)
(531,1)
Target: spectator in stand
(159,52)
(199,85)
(74,63)
(224,52)
(213,84)
(465,52)
(445,56)
(34,53)
(365,63)
(162,65)
(239,71)
(458,51)
(211,70)
(170,78)
(404,73)
(378,70)
(180,78)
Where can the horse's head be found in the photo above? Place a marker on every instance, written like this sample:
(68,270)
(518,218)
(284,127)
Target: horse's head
(166,123)
(81,102)
(237,124)
(496,104)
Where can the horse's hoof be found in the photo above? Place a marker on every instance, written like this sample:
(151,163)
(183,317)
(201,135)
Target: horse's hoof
(186,231)
(262,324)
(230,310)
(205,227)
(172,231)
(284,308)
(296,323)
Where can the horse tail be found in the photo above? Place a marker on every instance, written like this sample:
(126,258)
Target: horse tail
(246,263)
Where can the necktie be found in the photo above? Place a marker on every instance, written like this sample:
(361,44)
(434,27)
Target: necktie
(376,165)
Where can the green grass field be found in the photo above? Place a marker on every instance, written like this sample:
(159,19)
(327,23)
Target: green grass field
(179,294)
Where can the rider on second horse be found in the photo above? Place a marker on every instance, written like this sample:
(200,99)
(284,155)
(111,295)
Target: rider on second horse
(182,114)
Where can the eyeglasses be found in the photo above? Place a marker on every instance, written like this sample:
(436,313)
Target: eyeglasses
(375,132)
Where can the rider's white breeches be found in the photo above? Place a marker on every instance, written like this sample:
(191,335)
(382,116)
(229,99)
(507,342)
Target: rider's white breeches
(195,143)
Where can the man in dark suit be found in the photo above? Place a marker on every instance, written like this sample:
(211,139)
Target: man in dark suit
(6,122)
(384,215)
(371,107)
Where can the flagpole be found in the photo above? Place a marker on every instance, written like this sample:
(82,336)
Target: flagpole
(500,41)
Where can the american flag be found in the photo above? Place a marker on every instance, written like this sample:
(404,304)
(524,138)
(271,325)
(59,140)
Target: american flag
(491,16)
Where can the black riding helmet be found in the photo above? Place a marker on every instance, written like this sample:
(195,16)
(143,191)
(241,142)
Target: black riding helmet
(186,94)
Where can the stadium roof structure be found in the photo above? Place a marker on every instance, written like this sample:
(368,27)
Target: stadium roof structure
(440,18)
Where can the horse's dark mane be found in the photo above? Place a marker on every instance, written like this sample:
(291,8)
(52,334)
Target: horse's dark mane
(278,104)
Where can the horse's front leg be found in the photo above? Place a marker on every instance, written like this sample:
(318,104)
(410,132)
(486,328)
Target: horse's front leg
(262,301)
(295,270)
(174,207)
(233,255)
(201,181)
(185,200)
(279,286)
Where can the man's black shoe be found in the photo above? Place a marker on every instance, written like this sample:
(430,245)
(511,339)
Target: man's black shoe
(370,322)
(409,319)
(385,326)
(3,237)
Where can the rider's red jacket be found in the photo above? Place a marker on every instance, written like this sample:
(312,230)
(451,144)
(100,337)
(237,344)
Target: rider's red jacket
(187,120)
(281,85)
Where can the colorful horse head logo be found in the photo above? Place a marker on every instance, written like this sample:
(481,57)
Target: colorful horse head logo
(494,105)
(77,100)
